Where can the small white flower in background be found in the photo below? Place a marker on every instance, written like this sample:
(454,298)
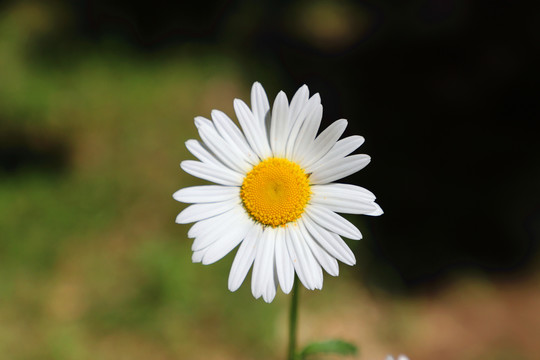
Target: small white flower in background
(275,194)
(400,357)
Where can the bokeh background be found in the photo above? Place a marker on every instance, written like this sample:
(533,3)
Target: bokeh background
(97,98)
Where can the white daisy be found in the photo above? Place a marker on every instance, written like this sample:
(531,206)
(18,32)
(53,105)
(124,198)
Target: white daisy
(400,357)
(274,194)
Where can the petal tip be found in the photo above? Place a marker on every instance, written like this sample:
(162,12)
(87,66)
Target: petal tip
(233,286)
(177,195)
(180,219)
(378,210)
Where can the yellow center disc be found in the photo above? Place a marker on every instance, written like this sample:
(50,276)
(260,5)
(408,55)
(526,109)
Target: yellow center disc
(275,192)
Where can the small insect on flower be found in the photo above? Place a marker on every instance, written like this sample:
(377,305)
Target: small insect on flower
(274,192)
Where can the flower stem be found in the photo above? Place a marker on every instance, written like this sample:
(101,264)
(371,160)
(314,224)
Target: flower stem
(293,317)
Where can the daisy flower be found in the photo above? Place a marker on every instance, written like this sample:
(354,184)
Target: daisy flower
(400,357)
(274,192)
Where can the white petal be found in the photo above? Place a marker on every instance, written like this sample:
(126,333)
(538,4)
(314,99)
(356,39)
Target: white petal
(402,357)
(215,173)
(207,225)
(294,133)
(270,291)
(341,149)
(255,133)
(204,240)
(229,155)
(307,134)
(378,211)
(306,262)
(314,266)
(328,262)
(284,265)
(344,167)
(233,136)
(346,206)
(201,153)
(244,258)
(333,222)
(343,190)
(299,267)
(208,231)
(259,103)
(228,241)
(197,212)
(263,267)
(344,198)
(298,103)
(346,146)
(330,241)
(197,256)
(324,142)
(279,127)
(206,193)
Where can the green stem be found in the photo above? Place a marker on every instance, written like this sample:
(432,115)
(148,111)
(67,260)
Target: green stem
(293,320)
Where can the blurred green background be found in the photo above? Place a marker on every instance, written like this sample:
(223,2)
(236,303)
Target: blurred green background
(96,102)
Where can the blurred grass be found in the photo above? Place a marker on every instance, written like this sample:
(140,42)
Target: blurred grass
(91,262)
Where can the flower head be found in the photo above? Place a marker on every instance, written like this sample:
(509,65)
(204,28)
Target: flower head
(400,357)
(274,194)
